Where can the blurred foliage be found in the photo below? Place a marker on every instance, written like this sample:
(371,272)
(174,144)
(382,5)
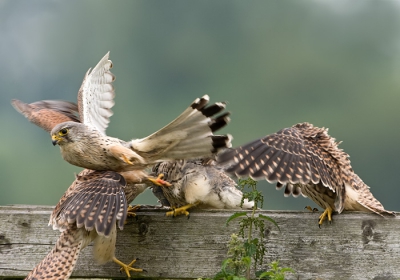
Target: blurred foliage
(332,63)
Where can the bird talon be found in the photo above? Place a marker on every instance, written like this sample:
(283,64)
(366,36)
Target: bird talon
(311,209)
(181,210)
(127,267)
(159,181)
(126,160)
(322,217)
(131,211)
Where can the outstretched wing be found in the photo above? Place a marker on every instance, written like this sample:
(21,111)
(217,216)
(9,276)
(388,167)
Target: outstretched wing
(302,154)
(96,95)
(47,113)
(96,200)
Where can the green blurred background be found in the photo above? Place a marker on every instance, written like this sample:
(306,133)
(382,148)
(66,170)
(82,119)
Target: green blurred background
(331,63)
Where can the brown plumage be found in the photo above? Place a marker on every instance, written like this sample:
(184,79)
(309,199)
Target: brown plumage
(83,142)
(88,211)
(47,113)
(60,262)
(306,160)
(197,182)
(90,208)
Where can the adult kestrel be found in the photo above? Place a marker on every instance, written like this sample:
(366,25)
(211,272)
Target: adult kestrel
(91,206)
(197,182)
(88,211)
(307,161)
(85,143)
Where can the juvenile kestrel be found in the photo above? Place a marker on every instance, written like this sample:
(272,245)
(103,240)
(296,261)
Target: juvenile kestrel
(197,182)
(88,211)
(307,161)
(85,143)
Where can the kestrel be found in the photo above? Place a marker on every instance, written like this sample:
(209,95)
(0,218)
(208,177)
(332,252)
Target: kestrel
(49,113)
(75,215)
(197,182)
(85,143)
(307,161)
(88,211)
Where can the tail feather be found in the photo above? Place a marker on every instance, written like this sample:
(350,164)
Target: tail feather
(61,260)
(190,135)
(220,122)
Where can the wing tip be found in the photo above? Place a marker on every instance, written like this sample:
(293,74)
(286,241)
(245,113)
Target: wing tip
(19,105)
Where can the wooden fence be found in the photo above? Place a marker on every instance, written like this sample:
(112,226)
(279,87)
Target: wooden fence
(354,246)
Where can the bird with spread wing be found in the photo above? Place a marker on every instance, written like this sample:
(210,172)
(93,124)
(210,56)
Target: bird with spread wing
(91,206)
(197,183)
(305,160)
(89,211)
(85,143)
(191,134)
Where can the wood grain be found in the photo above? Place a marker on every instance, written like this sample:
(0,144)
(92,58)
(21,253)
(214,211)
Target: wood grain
(354,246)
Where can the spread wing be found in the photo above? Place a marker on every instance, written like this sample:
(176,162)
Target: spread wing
(47,113)
(302,154)
(96,95)
(95,200)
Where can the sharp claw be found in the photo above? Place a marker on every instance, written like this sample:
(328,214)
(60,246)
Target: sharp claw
(159,181)
(181,210)
(322,217)
(127,267)
(125,159)
(311,209)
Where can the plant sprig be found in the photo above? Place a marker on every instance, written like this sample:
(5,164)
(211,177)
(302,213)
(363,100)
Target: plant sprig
(243,248)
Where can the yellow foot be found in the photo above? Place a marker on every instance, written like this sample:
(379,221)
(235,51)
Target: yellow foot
(180,211)
(311,209)
(127,267)
(159,181)
(132,210)
(126,159)
(327,212)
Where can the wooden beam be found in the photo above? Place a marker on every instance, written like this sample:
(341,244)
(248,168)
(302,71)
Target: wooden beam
(354,246)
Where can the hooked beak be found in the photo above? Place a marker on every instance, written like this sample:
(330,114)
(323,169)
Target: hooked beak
(55,139)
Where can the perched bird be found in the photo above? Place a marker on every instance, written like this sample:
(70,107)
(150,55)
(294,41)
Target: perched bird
(89,211)
(197,182)
(307,161)
(85,143)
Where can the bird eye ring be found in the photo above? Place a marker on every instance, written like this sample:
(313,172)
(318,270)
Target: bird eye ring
(63,132)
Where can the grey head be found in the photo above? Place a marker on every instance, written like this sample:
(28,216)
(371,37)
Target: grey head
(67,132)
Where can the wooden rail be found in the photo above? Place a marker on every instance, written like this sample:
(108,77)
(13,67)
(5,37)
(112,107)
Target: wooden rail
(354,246)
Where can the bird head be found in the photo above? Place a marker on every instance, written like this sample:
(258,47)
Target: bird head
(64,133)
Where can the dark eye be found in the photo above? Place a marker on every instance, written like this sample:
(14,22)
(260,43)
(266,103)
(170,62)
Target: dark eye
(63,132)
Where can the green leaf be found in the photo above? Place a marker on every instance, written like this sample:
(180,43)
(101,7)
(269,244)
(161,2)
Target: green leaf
(247,261)
(287,269)
(269,219)
(225,263)
(251,248)
(234,216)
(238,278)
(265,275)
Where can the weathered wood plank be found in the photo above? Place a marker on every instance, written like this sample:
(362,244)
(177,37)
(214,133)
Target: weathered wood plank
(355,246)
